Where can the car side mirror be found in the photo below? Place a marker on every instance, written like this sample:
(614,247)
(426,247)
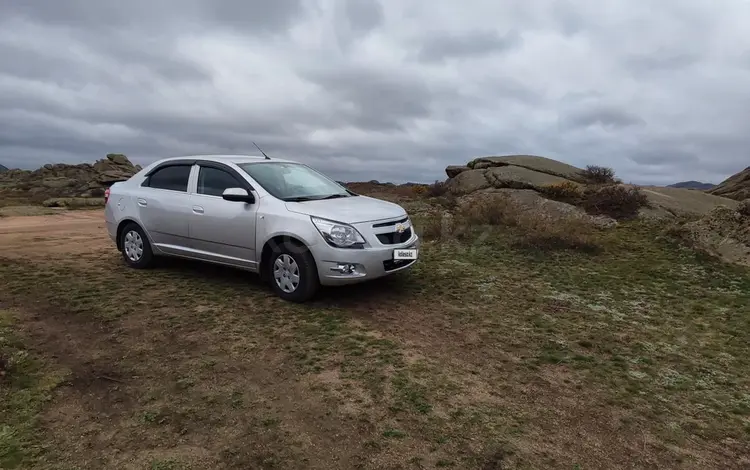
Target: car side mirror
(238,195)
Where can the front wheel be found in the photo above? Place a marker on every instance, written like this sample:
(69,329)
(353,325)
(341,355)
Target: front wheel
(292,273)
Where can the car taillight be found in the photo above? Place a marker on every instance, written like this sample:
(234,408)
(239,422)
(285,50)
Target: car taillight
(106,195)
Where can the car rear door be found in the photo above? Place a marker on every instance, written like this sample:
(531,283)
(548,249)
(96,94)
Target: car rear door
(163,203)
(222,231)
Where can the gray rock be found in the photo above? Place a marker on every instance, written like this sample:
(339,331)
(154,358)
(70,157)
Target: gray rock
(531,162)
(453,170)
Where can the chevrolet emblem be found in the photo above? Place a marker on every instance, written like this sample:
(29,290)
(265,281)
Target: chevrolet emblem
(400,228)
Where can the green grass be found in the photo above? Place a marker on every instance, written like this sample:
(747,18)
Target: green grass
(485,356)
(25,388)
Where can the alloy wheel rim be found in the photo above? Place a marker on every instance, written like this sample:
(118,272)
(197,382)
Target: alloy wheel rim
(286,273)
(133,246)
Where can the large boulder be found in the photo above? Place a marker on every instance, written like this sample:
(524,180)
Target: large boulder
(735,187)
(530,162)
(498,177)
(453,170)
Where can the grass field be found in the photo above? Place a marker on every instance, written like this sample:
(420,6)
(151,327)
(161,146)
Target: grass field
(488,355)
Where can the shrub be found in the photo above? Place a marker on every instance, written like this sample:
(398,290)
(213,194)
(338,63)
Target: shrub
(567,191)
(744,208)
(616,201)
(599,175)
(437,189)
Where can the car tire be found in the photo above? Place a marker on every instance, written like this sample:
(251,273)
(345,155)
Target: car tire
(135,247)
(287,261)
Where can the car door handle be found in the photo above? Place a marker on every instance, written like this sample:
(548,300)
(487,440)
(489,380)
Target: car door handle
(198,209)
(142,202)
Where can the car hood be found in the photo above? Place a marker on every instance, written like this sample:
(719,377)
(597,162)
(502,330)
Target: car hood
(350,210)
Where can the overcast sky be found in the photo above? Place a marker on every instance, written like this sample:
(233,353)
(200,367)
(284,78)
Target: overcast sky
(393,90)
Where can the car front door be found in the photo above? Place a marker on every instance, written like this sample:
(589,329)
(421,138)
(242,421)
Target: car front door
(222,231)
(163,204)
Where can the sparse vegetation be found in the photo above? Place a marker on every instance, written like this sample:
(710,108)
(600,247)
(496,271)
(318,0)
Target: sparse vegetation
(437,189)
(567,191)
(617,201)
(594,174)
(508,319)
(534,230)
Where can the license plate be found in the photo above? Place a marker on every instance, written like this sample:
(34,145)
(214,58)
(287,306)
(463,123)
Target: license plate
(404,254)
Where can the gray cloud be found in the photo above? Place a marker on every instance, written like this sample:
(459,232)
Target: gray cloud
(385,89)
(442,46)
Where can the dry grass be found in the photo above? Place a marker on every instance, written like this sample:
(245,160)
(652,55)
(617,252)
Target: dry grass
(486,356)
(535,230)
(567,191)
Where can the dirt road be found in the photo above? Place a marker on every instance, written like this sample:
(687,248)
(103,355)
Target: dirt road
(67,233)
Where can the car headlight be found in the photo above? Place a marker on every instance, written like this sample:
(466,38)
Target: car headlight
(338,234)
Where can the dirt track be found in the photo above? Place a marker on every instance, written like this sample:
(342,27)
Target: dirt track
(70,232)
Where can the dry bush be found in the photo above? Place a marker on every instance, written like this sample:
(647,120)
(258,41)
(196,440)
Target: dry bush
(494,211)
(437,189)
(744,208)
(569,233)
(534,229)
(566,191)
(437,228)
(616,201)
(599,175)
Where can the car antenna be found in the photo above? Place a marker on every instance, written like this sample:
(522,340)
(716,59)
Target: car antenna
(261,151)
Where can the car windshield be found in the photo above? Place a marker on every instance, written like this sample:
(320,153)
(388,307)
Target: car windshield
(293,181)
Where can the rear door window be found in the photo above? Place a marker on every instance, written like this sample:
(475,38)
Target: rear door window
(173,178)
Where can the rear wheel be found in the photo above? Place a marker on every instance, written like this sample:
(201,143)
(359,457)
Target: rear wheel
(135,247)
(292,273)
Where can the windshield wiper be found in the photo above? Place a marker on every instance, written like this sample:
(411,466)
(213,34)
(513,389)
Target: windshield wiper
(335,196)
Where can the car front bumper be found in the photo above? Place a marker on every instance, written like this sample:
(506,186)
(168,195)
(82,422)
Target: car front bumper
(370,263)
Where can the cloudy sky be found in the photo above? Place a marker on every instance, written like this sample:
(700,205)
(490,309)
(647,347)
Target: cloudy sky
(393,90)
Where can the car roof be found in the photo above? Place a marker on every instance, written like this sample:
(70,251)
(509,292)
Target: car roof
(236,159)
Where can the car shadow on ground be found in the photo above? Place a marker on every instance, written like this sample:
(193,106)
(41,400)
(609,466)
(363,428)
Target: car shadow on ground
(387,289)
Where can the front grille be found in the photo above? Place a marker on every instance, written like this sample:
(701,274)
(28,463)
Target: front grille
(392,222)
(391,264)
(394,238)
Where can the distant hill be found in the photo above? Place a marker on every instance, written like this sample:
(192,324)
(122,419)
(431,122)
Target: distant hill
(735,187)
(692,185)
(3,168)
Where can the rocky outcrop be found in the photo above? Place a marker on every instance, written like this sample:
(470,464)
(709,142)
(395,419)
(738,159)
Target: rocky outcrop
(53,181)
(3,168)
(735,187)
(453,170)
(540,173)
(531,162)
(516,172)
